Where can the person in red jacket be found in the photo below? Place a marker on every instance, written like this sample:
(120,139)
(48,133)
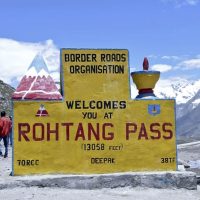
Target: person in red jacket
(5,126)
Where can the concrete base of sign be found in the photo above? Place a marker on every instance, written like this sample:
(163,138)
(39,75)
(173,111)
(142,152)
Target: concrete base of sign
(174,179)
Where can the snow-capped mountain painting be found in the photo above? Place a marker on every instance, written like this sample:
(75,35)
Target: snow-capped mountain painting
(37,82)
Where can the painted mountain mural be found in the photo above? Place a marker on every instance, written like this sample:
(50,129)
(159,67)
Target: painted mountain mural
(37,83)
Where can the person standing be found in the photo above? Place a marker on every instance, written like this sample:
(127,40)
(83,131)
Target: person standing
(5,126)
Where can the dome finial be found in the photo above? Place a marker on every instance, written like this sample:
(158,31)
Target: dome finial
(145,64)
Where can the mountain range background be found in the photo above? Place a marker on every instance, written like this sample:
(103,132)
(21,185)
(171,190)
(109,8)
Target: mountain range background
(186,93)
(187,96)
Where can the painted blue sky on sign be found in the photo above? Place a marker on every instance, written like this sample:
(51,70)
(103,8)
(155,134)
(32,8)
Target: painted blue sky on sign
(166,31)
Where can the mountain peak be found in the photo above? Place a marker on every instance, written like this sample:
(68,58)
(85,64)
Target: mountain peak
(181,89)
(37,65)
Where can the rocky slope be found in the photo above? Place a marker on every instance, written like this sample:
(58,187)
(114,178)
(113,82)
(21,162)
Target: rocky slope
(6,92)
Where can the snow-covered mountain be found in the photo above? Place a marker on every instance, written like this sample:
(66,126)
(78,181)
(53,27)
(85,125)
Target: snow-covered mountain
(187,95)
(181,89)
(37,82)
(188,121)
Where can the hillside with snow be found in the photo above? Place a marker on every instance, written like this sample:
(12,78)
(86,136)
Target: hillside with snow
(180,89)
(188,122)
(187,95)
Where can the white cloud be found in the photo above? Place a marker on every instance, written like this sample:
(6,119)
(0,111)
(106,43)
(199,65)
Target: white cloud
(16,56)
(132,69)
(189,64)
(180,3)
(170,57)
(56,76)
(192,2)
(162,67)
(152,56)
(134,91)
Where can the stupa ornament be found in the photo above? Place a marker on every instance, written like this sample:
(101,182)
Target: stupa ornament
(145,81)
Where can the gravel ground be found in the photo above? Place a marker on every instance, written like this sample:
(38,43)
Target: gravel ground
(185,153)
(103,194)
(190,152)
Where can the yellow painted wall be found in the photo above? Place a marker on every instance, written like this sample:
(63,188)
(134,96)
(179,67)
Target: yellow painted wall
(129,135)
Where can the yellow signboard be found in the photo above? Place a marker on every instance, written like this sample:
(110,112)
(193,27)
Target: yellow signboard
(95,74)
(96,128)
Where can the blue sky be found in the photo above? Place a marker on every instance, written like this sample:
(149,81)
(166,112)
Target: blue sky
(166,31)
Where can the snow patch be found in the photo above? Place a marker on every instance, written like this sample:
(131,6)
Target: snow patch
(194,164)
(181,89)
(31,72)
(180,146)
(43,73)
(195,103)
